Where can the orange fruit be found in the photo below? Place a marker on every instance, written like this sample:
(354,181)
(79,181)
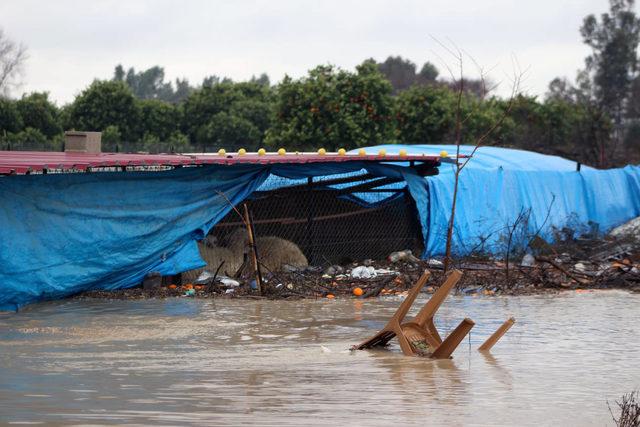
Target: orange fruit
(198,287)
(331,296)
(188,286)
(358,292)
(172,286)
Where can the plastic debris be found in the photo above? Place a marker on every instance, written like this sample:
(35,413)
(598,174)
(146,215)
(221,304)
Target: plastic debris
(528,261)
(435,263)
(363,272)
(230,283)
(205,277)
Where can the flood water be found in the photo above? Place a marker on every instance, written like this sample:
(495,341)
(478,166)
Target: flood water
(233,362)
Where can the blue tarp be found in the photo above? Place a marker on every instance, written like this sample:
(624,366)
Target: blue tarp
(499,183)
(62,234)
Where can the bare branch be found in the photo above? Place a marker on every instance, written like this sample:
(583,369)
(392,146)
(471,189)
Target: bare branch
(12,59)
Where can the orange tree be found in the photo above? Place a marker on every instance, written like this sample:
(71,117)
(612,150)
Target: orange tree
(332,108)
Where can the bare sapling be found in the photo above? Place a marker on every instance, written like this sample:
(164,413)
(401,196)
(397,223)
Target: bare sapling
(483,138)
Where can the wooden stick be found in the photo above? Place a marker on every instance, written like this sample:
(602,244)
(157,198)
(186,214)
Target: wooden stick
(493,339)
(254,249)
(562,269)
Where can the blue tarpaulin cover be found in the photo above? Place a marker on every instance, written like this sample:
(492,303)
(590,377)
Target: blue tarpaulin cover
(499,183)
(66,233)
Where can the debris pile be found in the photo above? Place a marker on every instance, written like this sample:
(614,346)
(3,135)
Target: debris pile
(580,263)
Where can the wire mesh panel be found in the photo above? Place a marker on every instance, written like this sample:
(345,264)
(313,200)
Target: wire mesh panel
(329,225)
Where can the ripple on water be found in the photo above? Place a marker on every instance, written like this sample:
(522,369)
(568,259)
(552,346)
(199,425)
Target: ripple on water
(282,362)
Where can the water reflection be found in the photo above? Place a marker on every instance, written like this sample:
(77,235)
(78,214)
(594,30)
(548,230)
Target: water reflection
(183,361)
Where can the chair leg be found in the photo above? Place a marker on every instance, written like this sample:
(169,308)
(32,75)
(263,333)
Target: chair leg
(405,306)
(429,309)
(453,340)
(393,326)
(493,339)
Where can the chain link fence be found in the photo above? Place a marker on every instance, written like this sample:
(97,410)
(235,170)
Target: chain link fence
(330,224)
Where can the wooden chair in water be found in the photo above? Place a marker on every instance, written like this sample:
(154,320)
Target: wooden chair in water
(420,336)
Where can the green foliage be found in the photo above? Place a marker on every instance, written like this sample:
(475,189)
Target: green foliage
(150,84)
(38,112)
(262,79)
(428,74)
(402,73)
(612,65)
(149,143)
(103,104)
(482,119)
(10,120)
(111,137)
(229,131)
(179,142)
(28,139)
(425,115)
(332,109)
(241,112)
(158,118)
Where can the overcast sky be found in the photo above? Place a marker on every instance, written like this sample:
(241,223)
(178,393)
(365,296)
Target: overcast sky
(72,42)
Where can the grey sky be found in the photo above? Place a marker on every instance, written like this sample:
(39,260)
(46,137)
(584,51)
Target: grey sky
(72,42)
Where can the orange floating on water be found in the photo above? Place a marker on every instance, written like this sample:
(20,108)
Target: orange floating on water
(358,292)
(331,296)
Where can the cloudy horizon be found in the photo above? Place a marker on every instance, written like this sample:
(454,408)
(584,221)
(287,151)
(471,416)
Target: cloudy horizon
(71,43)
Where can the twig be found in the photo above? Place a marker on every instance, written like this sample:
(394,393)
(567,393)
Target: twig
(562,269)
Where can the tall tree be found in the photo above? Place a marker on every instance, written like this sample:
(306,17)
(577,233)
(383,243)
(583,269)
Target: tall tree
(402,73)
(228,115)
(39,113)
(12,58)
(333,108)
(158,118)
(428,74)
(612,65)
(104,104)
(150,84)
(10,120)
(399,71)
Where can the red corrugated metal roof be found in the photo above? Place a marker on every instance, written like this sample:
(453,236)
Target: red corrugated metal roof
(25,162)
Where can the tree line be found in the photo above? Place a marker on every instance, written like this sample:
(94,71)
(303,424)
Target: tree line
(594,121)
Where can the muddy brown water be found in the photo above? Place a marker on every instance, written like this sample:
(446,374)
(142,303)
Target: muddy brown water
(231,362)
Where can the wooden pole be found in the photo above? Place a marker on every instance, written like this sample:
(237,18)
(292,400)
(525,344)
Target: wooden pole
(493,339)
(254,249)
(454,339)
